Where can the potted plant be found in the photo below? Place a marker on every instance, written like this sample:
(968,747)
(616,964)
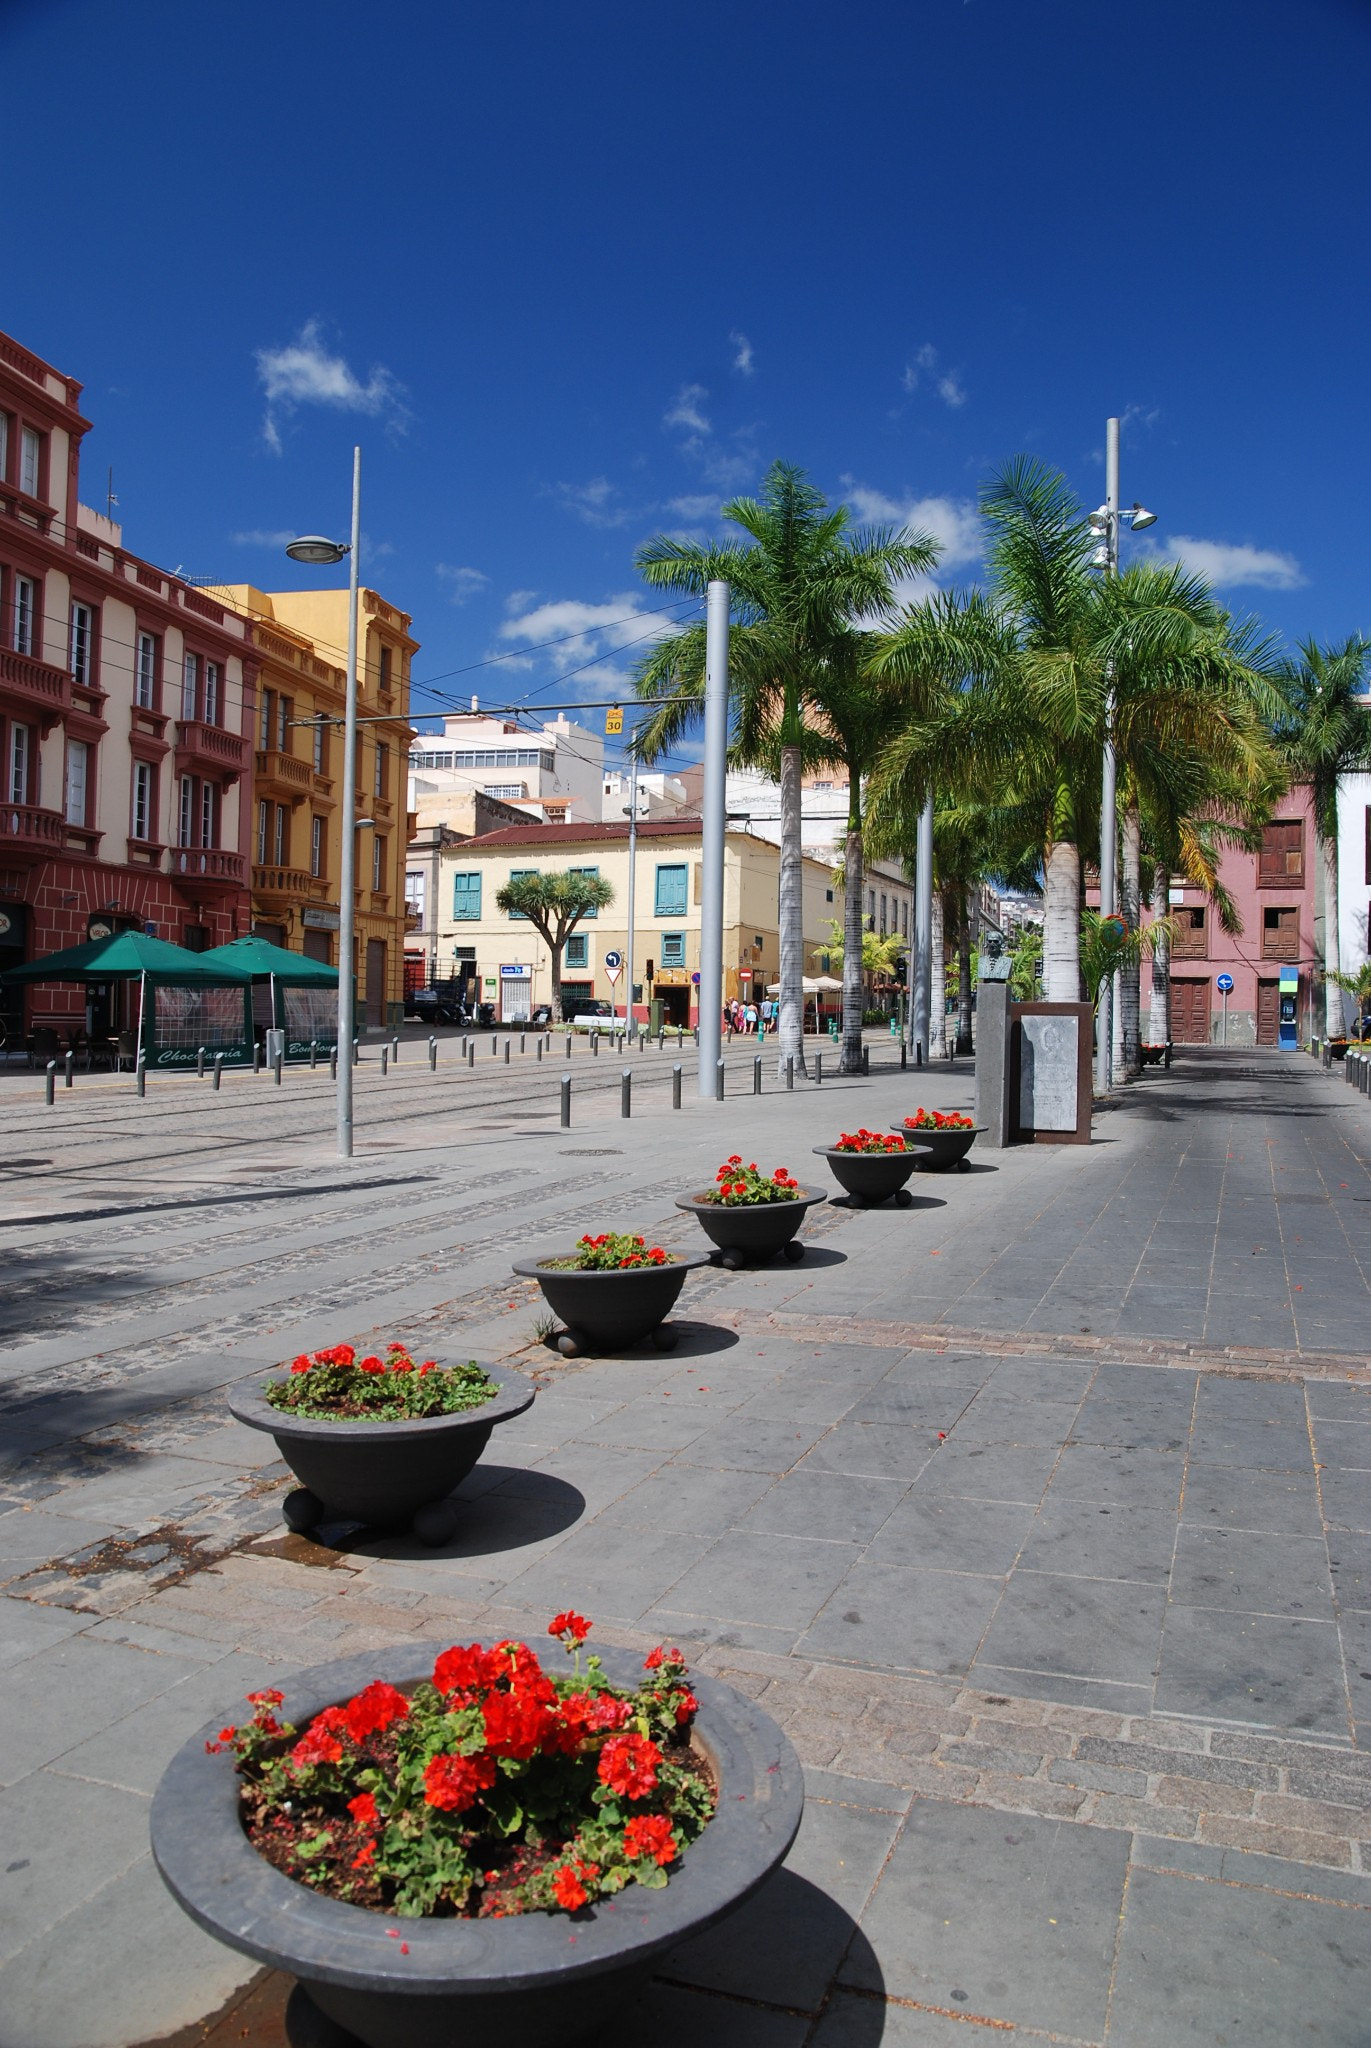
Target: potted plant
(611,1290)
(380,1439)
(461,1846)
(944,1137)
(751,1215)
(871,1167)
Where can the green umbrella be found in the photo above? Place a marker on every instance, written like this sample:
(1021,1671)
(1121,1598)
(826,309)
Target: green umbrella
(128,956)
(260,959)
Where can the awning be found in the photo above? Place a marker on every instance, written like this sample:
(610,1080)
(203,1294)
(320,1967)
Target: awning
(128,956)
(259,959)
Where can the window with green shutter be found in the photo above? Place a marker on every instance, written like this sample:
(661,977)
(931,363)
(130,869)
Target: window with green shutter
(673,949)
(671,890)
(466,898)
(593,875)
(578,950)
(519,875)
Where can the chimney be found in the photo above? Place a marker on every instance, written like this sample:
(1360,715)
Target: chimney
(475,702)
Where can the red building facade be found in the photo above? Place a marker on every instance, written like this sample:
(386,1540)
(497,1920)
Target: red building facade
(126,703)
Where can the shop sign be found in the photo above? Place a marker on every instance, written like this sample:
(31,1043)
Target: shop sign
(316,920)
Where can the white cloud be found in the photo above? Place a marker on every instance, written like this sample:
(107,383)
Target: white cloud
(950,390)
(594,502)
(949,385)
(684,410)
(953,521)
(305,373)
(1227,565)
(462,583)
(585,631)
(695,505)
(259,537)
(742,354)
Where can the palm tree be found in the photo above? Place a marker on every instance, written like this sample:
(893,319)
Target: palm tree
(554,905)
(1324,732)
(803,585)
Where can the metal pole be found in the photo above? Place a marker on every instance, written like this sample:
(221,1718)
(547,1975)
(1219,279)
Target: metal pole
(218,1070)
(719,1079)
(818,1070)
(1224,993)
(347,869)
(712,836)
(50,1084)
(676,1086)
(921,992)
(385,1060)
(200,1063)
(142,1072)
(566,1102)
(69,1064)
(313,1055)
(757,1075)
(433,1055)
(626,1092)
(632,872)
(790,1070)
(1109,828)
(276,1065)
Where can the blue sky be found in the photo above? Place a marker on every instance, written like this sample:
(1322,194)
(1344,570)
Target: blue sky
(573,275)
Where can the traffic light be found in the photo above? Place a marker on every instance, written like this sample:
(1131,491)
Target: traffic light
(650,975)
(902,971)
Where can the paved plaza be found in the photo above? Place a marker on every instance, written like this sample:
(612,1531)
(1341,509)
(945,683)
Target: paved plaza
(1039,1514)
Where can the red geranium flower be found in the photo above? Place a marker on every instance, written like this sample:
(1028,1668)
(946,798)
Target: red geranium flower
(569,1624)
(628,1765)
(461,1670)
(568,1887)
(301,1364)
(649,1834)
(373,1710)
(515,1723)
(371,1364)
(452,1783)
(655,1659)
(363,1810)
(268,1697)
(319,1744)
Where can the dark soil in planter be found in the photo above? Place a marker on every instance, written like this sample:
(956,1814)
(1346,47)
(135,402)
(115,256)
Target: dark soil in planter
(748,1233)
(383,1474)
(871,1177)
(607,1311)
(941,1149)
(539,1980)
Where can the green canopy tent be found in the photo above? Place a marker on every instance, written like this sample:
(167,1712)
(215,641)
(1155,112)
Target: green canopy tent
(302,993)
(184,1001)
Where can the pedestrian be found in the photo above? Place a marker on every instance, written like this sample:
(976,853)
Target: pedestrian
(751,1016)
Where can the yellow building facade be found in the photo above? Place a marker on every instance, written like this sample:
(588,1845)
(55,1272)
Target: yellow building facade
(300,637)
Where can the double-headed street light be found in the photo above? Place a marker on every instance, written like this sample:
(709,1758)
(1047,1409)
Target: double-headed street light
(1106,523)
(319,552)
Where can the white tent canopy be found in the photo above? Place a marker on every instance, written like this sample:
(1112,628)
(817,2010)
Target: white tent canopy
(821,985)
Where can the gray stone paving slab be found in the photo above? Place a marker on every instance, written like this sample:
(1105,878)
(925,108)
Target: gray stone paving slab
(947,1529)
(1266,1574)
(1087,1539)
(908,1619)
(1003,1917)
(1235,1497)
(1275,1970)
(62,1840)
(1252,1667)
(1078,1627)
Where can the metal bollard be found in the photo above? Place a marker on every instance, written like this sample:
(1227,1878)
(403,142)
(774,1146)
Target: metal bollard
(538,1049)
(257,1059)
(494,1045)
(313,1055)
(471,1052)
(395,1050)
(70,1064)
(675,1086)
(626,1092)
(595,1043)
(566,1102)
(661,1041)
(523,1041)
(719,1082)
(790,1070)
(50,1084)
(219,1068)
(142,1075)
(332,1064)
(507,1046)
(385,1061)
(200,1064)
(356,1052)
(433,1055)
(818,1070)
(277,1065)
(568,1045)
(904,1056)
(757,1075)
(866,1059)
(697,1034)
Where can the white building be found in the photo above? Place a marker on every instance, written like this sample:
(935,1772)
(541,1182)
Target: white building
(659,796)
(1354,875)
(553,774)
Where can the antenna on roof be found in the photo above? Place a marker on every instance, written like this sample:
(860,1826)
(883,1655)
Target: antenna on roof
(110,500)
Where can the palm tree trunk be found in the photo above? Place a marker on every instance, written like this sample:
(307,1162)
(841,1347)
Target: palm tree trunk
(964,939)
(1334,1008)
(937,998)
(790,1042)
(1062,923)
(555,948)
(1130,974)
(1159,1011)
(854,883)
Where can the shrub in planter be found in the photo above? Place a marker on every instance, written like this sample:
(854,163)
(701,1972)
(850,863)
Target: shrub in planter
(871,1166)
(944,1137)
(611,1290)
(749,1214)
(456,1844)
(380,1439)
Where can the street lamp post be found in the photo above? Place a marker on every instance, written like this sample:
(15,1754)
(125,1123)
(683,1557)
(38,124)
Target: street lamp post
(317,551)
(1106,523)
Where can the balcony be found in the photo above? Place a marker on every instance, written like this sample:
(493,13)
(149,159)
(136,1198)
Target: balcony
(282,774)
(200,747)
(30,834)
(281,886)
(207,870)
(32,686)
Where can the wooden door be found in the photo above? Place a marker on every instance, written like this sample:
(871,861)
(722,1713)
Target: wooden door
(1268,1012)
(376,981)
(1190,1010)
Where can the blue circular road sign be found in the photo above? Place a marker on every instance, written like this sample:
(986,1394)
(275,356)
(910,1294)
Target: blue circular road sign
(614,959)
(1224,984)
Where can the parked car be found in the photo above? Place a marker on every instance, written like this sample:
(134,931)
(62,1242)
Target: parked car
(429,1006)
(593,1016)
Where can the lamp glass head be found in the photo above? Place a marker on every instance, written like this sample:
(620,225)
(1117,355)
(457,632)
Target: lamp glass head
(316,549)
(1141,518)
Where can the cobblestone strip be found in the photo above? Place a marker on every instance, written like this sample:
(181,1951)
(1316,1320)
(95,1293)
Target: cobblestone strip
(1237,1358)
(1182,1780)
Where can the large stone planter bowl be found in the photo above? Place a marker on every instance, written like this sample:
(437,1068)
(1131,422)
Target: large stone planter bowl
(540,1980)
(941,1149)
(872,1177)
(608,1311)
(752,1232)
(386,1474)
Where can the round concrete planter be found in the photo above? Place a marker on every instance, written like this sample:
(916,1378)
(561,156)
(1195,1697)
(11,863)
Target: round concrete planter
(752,1232)
(386,1474)
(607,1311)
(539,1980)
(871,1177)
(941,1149)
